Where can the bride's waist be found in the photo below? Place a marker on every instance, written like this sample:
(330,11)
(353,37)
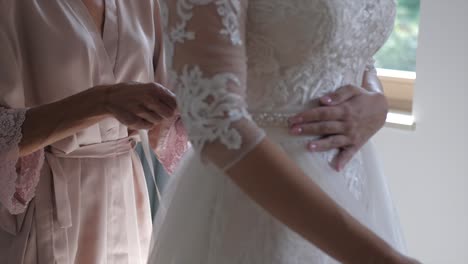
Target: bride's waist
(282,136)
(271,119)
(276,127)
(279,116)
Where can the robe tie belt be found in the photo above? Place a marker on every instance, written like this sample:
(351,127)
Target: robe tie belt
(94,151)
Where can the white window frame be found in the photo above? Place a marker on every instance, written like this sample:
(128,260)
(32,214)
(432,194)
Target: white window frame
(399,90)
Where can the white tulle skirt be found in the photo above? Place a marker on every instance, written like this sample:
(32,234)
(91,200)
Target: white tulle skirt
(206,219)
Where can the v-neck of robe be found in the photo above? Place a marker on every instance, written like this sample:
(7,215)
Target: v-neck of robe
(107,44)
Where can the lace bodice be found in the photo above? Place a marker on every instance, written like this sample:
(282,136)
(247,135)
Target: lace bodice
(231,59)
(301,49)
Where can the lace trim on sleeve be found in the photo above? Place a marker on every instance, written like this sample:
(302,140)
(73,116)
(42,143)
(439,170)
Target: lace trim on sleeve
(28,178)
(18,176)
(214,115)
(171,143)
(209,113)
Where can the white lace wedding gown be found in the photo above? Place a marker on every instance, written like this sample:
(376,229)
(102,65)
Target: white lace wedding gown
(241,68)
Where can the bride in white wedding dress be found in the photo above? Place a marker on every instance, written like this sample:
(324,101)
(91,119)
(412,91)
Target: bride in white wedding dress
(249,192)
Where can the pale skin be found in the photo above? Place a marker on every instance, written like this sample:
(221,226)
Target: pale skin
(345,119)
(281,187)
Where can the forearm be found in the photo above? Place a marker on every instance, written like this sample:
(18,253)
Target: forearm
(52,122)
(269,177)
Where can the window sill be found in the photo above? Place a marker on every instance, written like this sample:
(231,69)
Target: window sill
(400,120)
(398,88)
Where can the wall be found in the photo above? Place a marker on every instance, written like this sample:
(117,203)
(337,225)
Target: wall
(428,168)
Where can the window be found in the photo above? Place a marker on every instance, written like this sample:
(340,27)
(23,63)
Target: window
(396,61)
(399,53)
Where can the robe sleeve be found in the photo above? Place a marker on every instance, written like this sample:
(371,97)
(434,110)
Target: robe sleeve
(18,175)
(169,139)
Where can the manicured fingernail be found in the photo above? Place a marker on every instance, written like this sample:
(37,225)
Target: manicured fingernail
(327,99)
(296,130)
(312,147)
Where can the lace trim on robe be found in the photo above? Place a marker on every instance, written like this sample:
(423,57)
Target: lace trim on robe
(19,176)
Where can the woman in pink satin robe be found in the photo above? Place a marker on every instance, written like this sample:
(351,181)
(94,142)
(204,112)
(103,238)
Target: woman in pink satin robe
(71,186)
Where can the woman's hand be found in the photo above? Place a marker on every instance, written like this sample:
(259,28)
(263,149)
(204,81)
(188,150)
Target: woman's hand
(345,120)
(139,105)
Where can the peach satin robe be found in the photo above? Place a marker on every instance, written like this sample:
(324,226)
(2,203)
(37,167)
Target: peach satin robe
(86,194)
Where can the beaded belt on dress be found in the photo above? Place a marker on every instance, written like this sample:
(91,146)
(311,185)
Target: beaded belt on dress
(271,119)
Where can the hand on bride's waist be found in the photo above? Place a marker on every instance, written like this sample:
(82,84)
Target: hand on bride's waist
(345,120)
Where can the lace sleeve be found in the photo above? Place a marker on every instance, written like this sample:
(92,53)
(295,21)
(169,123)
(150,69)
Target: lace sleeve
(208,67)
(18,176)
(168,139)
(169,142)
